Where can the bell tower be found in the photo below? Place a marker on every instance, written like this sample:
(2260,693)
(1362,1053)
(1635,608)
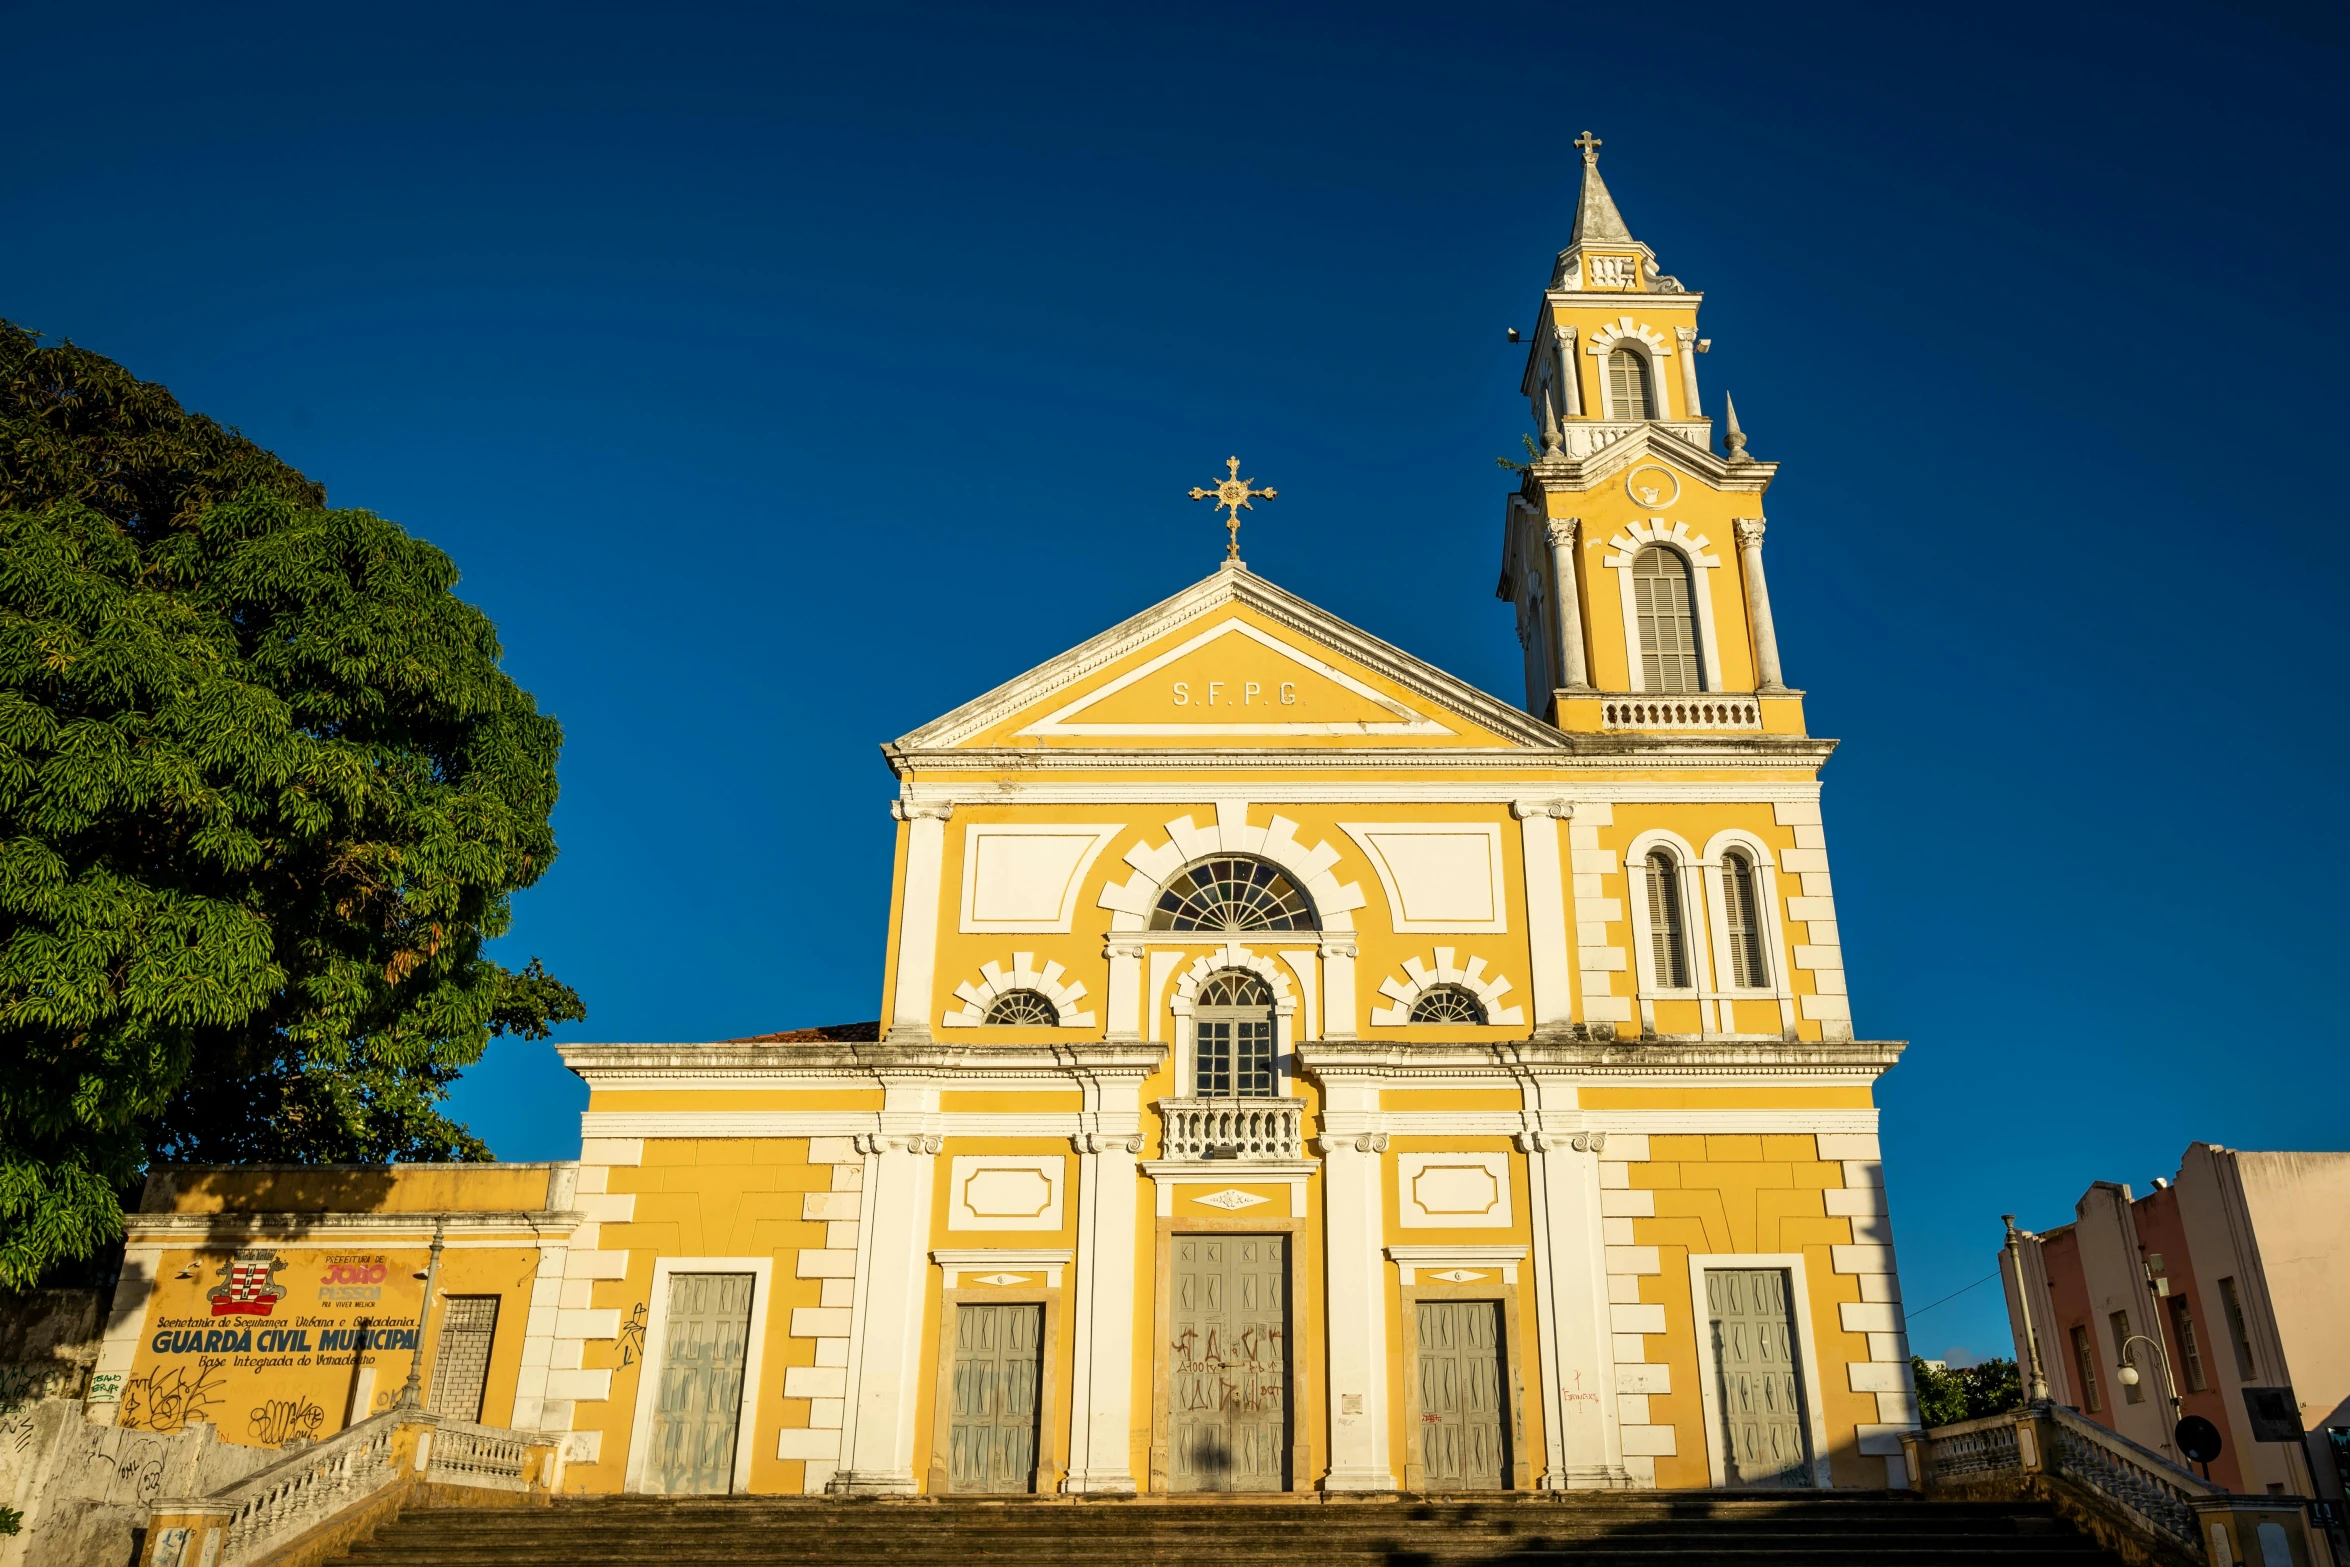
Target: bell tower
(1631,550)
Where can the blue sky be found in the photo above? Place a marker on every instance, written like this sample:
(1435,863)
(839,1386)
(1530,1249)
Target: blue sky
(781,377)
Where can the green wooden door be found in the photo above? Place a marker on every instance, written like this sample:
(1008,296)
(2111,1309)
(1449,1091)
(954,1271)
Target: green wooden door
(1761,1390)
(701,1392)
(1228,1367)
(992,1441)
(1463,1438)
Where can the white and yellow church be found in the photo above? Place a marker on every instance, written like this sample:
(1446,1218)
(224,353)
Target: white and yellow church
(1298,1071)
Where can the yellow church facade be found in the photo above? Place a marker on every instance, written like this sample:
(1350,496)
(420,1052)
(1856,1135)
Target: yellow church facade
(1297,1070)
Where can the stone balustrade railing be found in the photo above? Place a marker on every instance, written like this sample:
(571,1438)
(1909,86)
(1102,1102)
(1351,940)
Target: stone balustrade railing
(2136,1502)
(1680,712)
(367,1469)
(1579,438)
(1234,1128)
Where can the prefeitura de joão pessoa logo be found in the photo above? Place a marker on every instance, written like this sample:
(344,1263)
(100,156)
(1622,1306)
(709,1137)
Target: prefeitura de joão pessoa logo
(248,1285)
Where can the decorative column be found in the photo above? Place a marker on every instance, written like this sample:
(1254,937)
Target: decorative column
(1355,1225)
(1338,986)
(1574,674)
(1584,1448)
(1546,913)
(1573,383)
(893,1268)
(1122,1009)
(1691,346)
(1758,604)
(1101,1391)
(926,839)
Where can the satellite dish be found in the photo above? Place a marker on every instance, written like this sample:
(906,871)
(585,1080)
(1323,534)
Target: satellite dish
(2198,1438)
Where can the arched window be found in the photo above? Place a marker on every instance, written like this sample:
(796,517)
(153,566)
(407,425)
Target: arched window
(1023,1009)
(1668,943)
(1668,625)
(1628,393)
(1448,1004)
(1232,892)
(1233,1050)
(1742,910)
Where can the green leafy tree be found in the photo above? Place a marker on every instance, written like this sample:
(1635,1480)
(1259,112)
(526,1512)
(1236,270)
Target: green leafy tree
(264,796)
(1946,1397)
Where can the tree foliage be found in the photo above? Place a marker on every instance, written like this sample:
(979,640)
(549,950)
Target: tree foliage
(1948,1396)
(264,796)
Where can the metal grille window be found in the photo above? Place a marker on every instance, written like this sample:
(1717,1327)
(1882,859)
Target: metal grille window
(2085,1366)
(461,1365)
(1023,1009)
(1234,1045)
(1628,395)
(1232,892)
(1667,942)
(2182,1322)
(1668,626)
(1448,1004)
(1741,911)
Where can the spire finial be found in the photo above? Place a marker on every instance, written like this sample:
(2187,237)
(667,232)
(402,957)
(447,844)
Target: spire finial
(1590,145)
(1233,495)
(1732,436)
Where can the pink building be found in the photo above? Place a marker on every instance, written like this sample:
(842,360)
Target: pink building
(2239,1269)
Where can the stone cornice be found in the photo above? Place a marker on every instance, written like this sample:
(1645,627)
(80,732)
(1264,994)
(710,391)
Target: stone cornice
(168,1227)
(1711,749)
(1847,1060)
(878,1061)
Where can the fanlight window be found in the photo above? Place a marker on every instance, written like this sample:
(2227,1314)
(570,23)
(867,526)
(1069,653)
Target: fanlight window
(1233,1046)
(1232,892)
(1668,945)
(1448,1004)
(1668,627)
(1628,394)
(1742,912)
(1024,1009)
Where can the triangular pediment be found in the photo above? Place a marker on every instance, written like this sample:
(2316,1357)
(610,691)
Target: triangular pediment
(1229,663)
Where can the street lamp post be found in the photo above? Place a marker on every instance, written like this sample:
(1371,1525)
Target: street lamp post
(2129,1377)
(2039,1388)
(412,1391)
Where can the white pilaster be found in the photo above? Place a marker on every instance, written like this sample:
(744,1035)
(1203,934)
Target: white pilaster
(1584,1447)
(1568,375)
(918,915)
(1574,672)
(877,1440)
(1758,604)
(1102,1313)
(1353,1211)
(1338,988)
(1546,913)
(1123,1006)
(1691,346)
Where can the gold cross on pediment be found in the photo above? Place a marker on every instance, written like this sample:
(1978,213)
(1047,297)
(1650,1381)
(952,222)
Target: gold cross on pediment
(1233,496)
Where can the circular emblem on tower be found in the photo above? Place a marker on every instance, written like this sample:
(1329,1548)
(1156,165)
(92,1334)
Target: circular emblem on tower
(1653,485)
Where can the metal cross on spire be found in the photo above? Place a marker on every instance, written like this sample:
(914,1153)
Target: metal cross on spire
(1590,145)
(1233,496)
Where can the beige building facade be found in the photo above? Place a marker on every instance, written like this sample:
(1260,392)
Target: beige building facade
(2226,1284)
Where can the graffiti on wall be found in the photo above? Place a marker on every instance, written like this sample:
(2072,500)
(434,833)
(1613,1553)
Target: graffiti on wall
(277,1421)
(168,1397)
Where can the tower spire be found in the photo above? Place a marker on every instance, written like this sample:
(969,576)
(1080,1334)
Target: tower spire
(1596,217)
(1732,436)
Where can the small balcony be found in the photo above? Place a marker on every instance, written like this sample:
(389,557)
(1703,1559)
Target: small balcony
(1695,712)
(1245,1129)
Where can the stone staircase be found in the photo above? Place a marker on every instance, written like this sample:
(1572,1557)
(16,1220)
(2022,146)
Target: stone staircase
(1863,1529)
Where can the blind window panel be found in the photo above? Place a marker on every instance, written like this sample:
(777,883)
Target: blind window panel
(1742,913)
(1627,386)
(1668,626)
(1670,951)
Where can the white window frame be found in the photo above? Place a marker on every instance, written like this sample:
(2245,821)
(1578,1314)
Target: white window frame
(1673,536)
(648,1386)
(1181,1002)
(1768,915)
(1694,927)
(1709,1367)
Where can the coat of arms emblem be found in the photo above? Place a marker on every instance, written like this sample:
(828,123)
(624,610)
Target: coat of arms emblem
(248,1285)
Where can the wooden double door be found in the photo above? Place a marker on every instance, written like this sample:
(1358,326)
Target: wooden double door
(1759,1379)
(701,1390)
(1464,1410)
(991,1440)
(1228,1409)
